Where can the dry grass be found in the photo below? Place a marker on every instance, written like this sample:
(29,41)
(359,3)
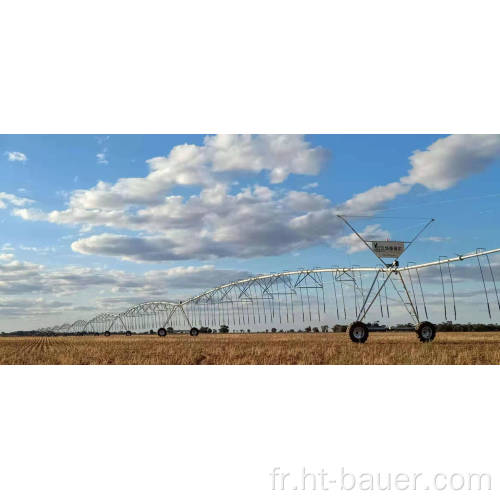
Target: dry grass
(299,348)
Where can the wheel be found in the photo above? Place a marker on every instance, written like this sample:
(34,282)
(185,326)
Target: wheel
(194,332)
(358,332)
(107,334)
(162,332)
(426,331)
(128,333)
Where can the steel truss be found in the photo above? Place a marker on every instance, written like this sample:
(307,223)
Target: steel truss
(296,300)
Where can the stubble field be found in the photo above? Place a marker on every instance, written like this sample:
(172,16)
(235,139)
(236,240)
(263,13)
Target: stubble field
(279,348)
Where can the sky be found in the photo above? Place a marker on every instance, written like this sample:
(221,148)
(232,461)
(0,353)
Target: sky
(99,223)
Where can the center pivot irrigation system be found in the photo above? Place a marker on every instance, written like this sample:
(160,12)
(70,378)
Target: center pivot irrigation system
(301,297)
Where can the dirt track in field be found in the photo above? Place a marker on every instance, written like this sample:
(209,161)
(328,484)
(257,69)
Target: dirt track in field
(279,348)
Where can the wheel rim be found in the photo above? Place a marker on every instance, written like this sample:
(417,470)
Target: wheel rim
(358,332)
(426,332)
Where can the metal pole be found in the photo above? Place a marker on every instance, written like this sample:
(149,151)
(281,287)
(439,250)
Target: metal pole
(422,293)
(484,285)
(409,311)
(444,292)
(335,293)
(185,316)
(413,288)
(362,239)
(415,312)
(368,296)
(343,299)
(493,278)
(419,233)
(452,292)
(376,295)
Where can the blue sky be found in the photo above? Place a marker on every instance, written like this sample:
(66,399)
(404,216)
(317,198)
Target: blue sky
(282,193)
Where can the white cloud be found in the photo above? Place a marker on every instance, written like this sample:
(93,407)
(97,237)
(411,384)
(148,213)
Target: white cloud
(204,166)
(281,155)
(436,239)
(193,277)
(452,159)
(16,156)
(32,214)
(252,221)
(371,232)
(442,165)
(101,157)
(306,202)
(6,198)
(373,198)
(215,216)
(6,256)
(311,185)
(40,250)
(28,285)
(19,307)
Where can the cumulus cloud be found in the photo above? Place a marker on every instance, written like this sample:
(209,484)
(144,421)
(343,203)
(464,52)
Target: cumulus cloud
(452,159)
(306,202)
(21,276)
(12,199)
(442,165)
(33,284)
(253,222)
(215,215)
(18,307)
(193,277)
(281,155)
(16,156)
(222,221)
(192,165)
(131,248)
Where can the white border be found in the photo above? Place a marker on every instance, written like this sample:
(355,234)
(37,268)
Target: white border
(261,66)
(226,66)
(218,432)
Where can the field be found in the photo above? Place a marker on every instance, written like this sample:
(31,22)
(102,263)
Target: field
(279,348)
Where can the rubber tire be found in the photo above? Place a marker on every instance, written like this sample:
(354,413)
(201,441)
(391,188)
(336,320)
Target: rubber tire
(358,324)
(128,333)
(419,331)
(162,332)
(194,332)
(107,334)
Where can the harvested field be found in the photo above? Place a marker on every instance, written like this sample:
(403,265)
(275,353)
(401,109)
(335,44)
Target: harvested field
(280,348)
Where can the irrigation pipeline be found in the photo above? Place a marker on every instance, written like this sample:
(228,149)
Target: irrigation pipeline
(294,297)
